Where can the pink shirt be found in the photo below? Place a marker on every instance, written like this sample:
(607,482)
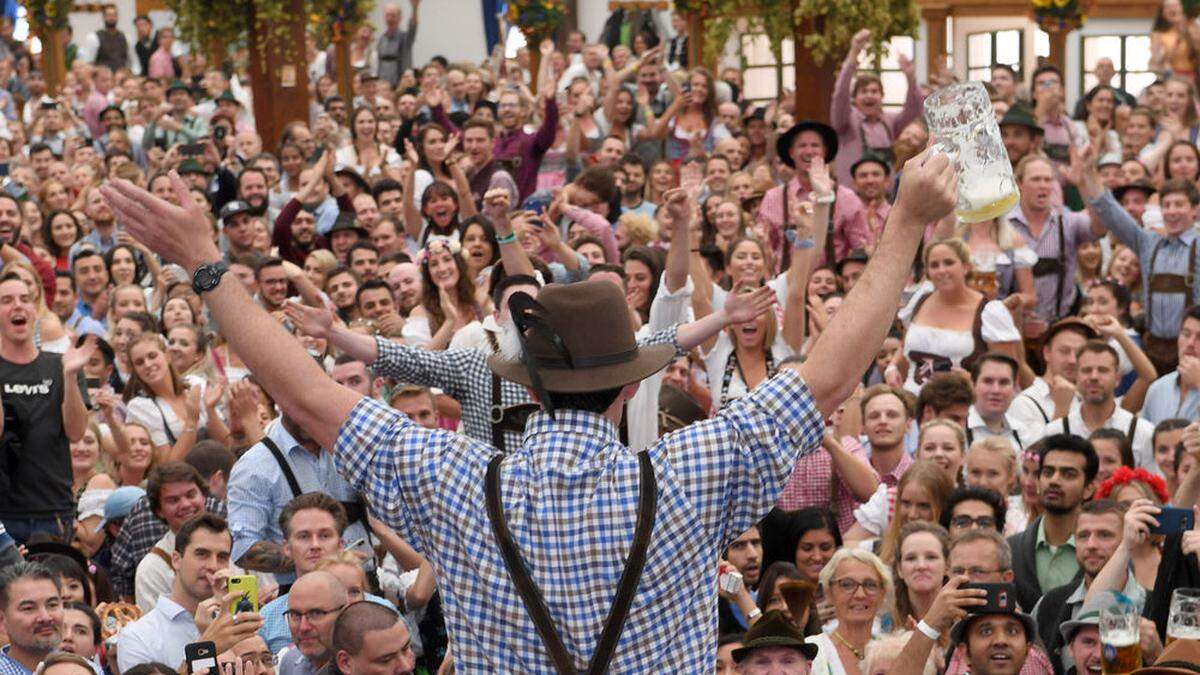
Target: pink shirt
(849,222)
(161,66)
(852,126)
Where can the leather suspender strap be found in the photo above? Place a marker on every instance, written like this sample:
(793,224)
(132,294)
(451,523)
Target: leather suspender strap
(531,596)
(283,466)
(1132,428)
(497,406)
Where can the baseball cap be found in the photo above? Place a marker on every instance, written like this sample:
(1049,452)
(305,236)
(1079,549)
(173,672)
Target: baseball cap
(120,503)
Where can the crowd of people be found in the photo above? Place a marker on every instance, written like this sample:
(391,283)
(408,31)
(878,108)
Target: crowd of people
(365,369)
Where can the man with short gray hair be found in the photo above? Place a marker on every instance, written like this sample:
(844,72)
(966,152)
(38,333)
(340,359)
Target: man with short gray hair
(395,45)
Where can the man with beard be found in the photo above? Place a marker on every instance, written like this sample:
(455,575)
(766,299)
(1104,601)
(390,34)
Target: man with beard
(31,615)
(1021,133)
(634,186)
(313,605)
(520,149)
(108,45)
(104,226)
(1096,382)
(405,282)
(272,284)
(176,491)
(11,246)
(200,558)
(260,491)
(295,234)
(870,176)
(1098,534)
(485,173)
(1044,554)
(253,188)
(46,411)
(1051,395)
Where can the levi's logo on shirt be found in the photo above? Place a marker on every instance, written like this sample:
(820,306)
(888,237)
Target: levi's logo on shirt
(37,389)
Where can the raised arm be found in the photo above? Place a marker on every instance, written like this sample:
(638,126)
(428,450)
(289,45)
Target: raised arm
(412,216)
(809,240)
(279,363)
(676,272)
(840,110)
(928,191)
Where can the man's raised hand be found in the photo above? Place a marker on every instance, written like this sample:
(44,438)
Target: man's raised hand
(928,188)
(180,234)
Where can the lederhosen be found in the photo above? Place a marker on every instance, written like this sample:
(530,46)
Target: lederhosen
(980,349)
(1163,351)
(531,596)
(1128,432)
(787,225)
(1056,266)
(732,365)
(886,153)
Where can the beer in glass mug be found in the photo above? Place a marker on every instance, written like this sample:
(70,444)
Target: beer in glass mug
(1121,649)
(1183,623)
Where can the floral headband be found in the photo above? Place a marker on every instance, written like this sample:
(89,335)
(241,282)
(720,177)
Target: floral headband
(1125,475)
(1030,456)
(435,244)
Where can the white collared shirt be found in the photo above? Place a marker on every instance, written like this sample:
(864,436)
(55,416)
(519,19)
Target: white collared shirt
(1013,430)
(1121,420)
(161,635)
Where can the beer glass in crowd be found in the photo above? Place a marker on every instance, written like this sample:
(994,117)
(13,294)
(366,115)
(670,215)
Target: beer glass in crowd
(1184,620)
(1120,635)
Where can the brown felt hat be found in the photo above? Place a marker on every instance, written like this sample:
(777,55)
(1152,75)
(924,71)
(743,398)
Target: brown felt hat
(1181,657)
(577,338)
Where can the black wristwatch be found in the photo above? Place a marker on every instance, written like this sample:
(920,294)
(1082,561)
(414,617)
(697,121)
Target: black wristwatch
(206,277)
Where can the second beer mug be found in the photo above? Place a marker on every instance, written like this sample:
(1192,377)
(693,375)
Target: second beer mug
(964,127)
(1183,622)
(1120,636)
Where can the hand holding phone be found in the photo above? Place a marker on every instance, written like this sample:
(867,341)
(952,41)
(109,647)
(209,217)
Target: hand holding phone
(1174,520)
(247,586)
(201,657)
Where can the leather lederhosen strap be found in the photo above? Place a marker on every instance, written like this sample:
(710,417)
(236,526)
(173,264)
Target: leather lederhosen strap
(1056,266)
(886,153)
(531,596)
(980,346)
(1169,283)
(1128,432)
(505,419)
(971,438)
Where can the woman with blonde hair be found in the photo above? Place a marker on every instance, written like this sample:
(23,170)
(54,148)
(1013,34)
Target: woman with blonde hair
(318,265)
(944,443)
(1001,262)
(860,587)
(991,463)
(949,324)
(636,229)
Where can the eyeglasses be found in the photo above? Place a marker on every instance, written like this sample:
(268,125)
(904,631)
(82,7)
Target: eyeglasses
(973,572)
(313,615)
(264,659)
(964,522)
(851,586)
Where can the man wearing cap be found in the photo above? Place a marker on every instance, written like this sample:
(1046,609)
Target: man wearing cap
(237,228)
(117,507)
(807,141)
(774,645)
(1134,197)
(177,123)
(693,491)
(857,114)
(870,176)
(1021,133)
(1168,260)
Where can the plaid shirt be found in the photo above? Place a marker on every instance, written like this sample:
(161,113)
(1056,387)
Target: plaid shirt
(139,533)
(463,375)
(813,483)
(571,497)
(9,665)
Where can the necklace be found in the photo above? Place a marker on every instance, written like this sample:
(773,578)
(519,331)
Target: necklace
(857,652)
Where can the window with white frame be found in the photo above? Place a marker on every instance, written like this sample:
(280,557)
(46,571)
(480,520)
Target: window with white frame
(1130,55)
(991,47)
(764,73)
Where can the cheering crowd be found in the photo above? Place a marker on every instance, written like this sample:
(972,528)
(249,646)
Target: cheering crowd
(487,370)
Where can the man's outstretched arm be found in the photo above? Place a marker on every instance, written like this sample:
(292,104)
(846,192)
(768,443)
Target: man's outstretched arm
(928,191)
(279,363)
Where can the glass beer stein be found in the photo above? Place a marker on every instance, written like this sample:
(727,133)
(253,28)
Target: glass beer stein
(964,127)
(1183,623)
(1120,637)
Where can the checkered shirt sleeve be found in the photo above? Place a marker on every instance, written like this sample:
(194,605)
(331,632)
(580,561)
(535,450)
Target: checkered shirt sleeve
(570,495)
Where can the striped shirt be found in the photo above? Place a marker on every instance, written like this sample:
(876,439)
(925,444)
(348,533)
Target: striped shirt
(1076,229)
(570,493)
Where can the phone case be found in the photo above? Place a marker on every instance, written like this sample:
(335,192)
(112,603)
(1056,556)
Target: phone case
(247,585)
(201,657)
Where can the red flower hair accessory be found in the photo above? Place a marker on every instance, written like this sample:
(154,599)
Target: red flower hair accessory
(1125,475)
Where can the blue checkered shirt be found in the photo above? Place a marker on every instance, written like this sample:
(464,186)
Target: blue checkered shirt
(570,495)
(9,665)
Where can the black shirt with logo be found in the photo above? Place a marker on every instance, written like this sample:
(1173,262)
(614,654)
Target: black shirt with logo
(34,451)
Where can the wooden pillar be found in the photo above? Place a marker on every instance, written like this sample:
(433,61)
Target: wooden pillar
(535,66)
(279,76)
(935,33)
(54,59)
(1058,49)
(814,83)
(341,61)
(695,38)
